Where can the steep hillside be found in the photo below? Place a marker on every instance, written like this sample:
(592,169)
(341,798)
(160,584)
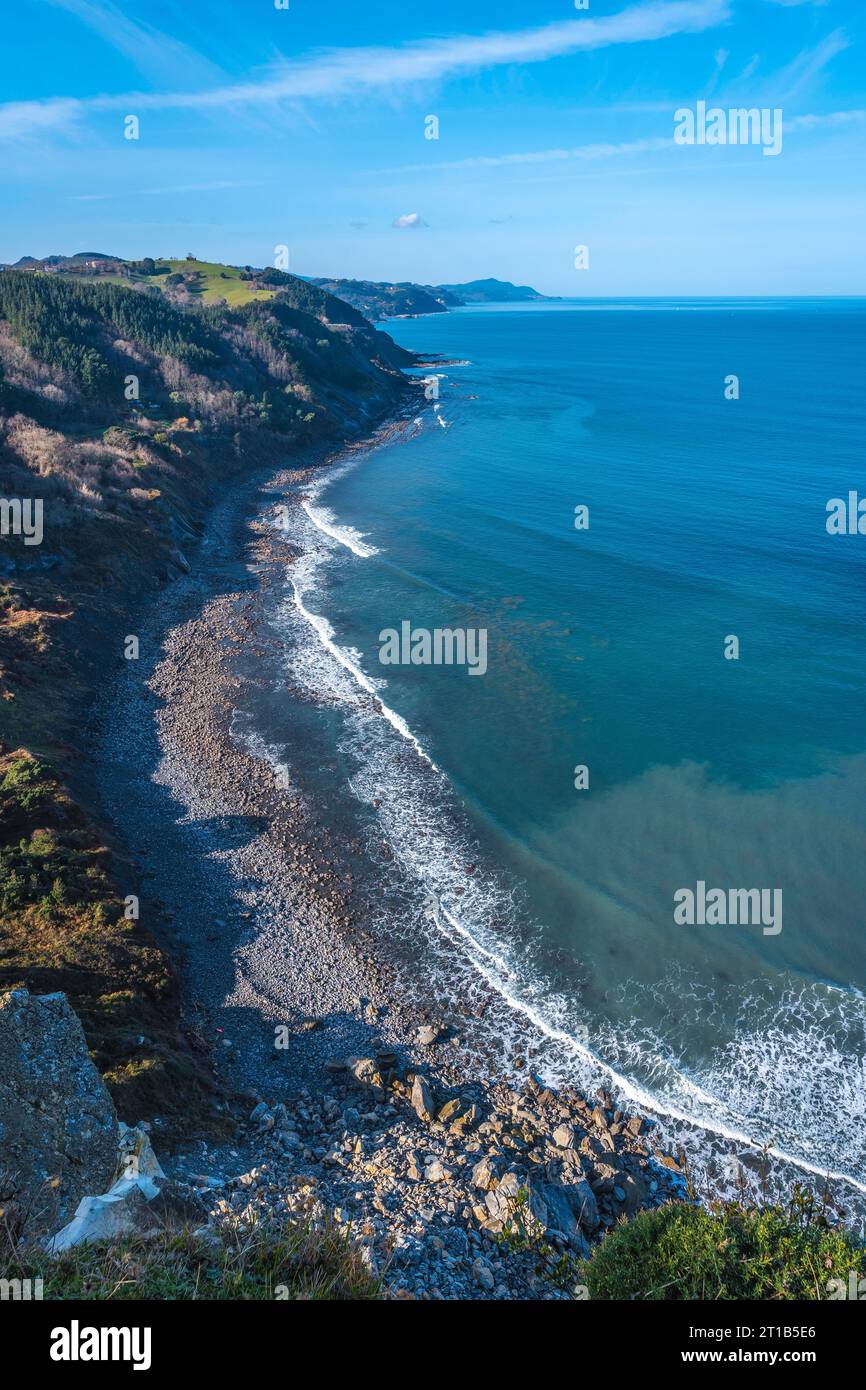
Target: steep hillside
(386,301)
(121,413)
(382,301)
(124,482)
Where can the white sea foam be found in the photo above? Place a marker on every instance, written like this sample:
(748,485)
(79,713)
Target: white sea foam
(242,732)
(324,519)
(349,658)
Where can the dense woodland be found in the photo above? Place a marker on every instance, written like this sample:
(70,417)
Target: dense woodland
(95,334)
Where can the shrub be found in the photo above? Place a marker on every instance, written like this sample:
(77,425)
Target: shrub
(23,786)
(724,1251)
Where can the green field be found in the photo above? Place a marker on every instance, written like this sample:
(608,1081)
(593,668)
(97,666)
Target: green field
(213,282)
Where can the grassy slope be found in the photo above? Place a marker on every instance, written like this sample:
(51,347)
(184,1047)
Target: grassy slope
(63,927)
(213,281)
(724,1252)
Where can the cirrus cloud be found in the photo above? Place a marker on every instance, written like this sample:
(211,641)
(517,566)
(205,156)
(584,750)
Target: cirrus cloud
(347,72)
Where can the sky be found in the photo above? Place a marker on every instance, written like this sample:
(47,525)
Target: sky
(261,126)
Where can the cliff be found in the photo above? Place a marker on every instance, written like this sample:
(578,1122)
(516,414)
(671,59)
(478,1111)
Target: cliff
(124,409)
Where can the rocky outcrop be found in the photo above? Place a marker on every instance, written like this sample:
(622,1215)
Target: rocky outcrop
(58,1129)
(141,1201)
(476,1191)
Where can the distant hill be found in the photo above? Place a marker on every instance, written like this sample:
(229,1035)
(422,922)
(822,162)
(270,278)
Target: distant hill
(190,281)
(493,292)
(383,301)
(380,300)
(30,262)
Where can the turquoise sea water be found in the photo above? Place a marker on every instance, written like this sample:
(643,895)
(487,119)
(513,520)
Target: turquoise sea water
(606,649)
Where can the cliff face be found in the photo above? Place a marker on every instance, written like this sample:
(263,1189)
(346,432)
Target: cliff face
(383,301)
(58,1130)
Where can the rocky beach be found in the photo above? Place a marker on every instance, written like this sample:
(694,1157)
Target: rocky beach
(359,1098)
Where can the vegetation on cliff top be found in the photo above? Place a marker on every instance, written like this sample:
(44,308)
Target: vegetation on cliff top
(247,1263)
(64,926)
(120,412)
(723,1251)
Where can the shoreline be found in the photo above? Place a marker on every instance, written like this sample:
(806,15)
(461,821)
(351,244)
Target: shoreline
(204,774)
(281,973)
(272,927)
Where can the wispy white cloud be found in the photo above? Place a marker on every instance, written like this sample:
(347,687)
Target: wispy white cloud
(830,119)
(621,108)
(494,161)
(154,53)
(409,220)
(216,186)
(789,81)
(349,72)
(751,68)
(21,120)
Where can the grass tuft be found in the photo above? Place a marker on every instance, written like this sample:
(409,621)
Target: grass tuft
(249,1263)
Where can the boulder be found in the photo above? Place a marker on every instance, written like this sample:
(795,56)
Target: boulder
(58,1128)
(584,1205)
(632,1192)
(450,1111)
(483,1174)
(438,1172)
(467,1120)
(141,1201)
(367,1075)
(422,1099)
(429,1034)
(559,1216)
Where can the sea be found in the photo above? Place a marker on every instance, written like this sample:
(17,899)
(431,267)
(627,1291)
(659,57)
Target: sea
(624,504)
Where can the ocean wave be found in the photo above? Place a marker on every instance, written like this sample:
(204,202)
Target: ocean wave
(324,519)
(749,1095)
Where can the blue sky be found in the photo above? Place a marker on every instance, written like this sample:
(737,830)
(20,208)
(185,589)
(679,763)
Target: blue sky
(305,127)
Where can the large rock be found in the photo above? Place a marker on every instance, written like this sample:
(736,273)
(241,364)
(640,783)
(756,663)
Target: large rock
(560,1216)
(422,1099)
(584,1204)
(141,1201)
(367,1075)
(58,1129)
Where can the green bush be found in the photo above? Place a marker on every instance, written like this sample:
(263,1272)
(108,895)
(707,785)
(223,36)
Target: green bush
(724,1251)
(23,786)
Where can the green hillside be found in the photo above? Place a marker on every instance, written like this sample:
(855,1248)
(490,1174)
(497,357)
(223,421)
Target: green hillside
(210,282)
(275,376)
